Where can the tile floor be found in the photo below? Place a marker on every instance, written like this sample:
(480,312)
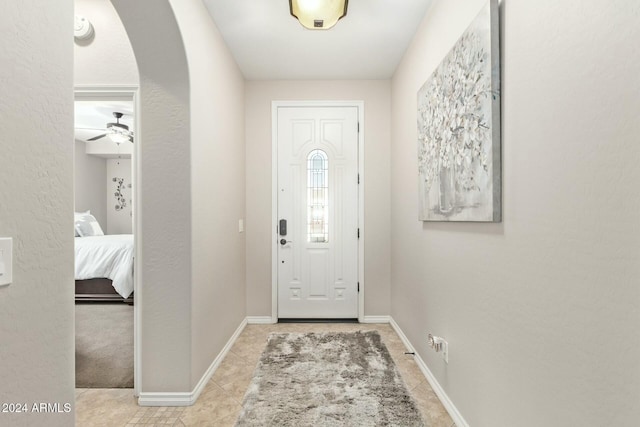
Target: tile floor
(221,400)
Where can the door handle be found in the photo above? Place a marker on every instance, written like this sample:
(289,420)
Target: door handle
(285,241)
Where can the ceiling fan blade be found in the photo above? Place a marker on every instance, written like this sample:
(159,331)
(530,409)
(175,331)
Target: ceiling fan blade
(97,137)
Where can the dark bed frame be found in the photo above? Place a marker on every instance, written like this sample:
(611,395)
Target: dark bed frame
(98,290)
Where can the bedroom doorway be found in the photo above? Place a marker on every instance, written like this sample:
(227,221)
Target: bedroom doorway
(317,192)
(105,178)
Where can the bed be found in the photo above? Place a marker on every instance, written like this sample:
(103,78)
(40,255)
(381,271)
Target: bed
(104,268)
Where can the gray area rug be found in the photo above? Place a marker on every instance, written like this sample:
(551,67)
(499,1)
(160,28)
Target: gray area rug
(327,379)
(104,346)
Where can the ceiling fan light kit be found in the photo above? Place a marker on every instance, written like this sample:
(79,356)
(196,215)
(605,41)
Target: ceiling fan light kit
(117,132)
(119,136)
(318,14)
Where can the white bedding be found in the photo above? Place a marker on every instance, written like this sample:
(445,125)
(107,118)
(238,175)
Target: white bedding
(106,256)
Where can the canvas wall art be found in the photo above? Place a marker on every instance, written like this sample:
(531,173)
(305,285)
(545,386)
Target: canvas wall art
(459,128)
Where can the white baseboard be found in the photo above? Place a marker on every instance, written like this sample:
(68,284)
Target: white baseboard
(259,320)
(376,319)
(185,398)
(166,399)
(435,385)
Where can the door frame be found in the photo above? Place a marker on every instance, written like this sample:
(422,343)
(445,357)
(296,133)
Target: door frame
(275,105)
(129,93)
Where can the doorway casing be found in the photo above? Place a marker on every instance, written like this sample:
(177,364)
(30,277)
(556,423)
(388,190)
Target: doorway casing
(275,105)
(128,93)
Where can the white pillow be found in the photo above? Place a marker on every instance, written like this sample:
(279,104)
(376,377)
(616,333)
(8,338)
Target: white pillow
(76,216)
(86,225)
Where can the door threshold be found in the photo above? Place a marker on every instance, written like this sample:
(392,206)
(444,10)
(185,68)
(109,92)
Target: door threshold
(306,320)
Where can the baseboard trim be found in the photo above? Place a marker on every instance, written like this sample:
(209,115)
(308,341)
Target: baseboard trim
(259,320)
(165,399)
(456,416)
(188,399)
(376,319)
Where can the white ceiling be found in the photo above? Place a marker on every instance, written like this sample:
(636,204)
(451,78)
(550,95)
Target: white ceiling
(91,117)
(269,44)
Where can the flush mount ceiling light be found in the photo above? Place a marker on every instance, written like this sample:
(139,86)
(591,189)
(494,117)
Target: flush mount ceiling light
(318,14)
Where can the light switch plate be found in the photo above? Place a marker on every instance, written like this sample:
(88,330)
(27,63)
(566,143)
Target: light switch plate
(241,226)
(6,260)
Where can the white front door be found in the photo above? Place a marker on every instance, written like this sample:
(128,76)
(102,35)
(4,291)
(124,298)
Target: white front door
(317,212)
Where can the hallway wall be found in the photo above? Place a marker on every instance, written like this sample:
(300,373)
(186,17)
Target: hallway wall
(258,98)
(218,289)
(36,205)
(164,200)
(542,310)
(192,157)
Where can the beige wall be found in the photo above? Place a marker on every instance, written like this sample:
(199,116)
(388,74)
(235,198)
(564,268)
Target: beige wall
(193,275)
(217,186)
(90,186)
(258,98)
(36,202)
(91,68)
(192,158)
(164,201)
(541,311)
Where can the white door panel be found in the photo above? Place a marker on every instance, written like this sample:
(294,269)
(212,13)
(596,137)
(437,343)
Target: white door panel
(318,197)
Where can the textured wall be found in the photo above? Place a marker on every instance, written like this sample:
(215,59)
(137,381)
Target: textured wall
(36,205)
(376,97)
(541,311)
(92,68)
(90,190)
(165,194)
(217,186)
(108,57)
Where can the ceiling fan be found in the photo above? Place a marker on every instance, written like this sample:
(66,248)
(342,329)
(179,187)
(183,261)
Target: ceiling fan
(118,132)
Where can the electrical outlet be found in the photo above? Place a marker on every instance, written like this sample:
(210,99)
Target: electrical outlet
(6,261)
(440,346)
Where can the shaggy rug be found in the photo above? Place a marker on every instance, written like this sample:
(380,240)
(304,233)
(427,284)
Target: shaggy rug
(104,346)
(327,379)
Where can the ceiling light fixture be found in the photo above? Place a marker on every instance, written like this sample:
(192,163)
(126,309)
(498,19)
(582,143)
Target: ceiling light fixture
(117,132)
(118,135)
(318,14)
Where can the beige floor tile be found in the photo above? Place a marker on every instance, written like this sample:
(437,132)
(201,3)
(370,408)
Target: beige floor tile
(79,391)
(232,366)
(254,337)
(105,407)
(220,402)
(227,421)
(214,405)
(430,406)
(238,386)
(250,353)
(410,372)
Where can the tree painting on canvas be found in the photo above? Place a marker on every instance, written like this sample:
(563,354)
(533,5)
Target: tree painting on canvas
(459,128)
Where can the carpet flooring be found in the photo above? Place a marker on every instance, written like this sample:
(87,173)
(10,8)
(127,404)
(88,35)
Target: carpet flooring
(327,379)
(104,345)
